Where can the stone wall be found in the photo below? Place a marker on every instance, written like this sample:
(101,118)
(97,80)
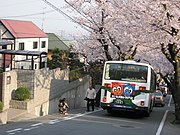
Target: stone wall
(48,86)
(3,117)
(9,82)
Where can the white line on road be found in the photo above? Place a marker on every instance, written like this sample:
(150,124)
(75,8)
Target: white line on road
(169,104)
(14,130)
(162,123)
(36,124)
(81,114)
(54,121)
(27,129)
(11,133)
(71,117)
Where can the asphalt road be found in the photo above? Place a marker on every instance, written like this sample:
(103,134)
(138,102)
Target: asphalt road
(99,122)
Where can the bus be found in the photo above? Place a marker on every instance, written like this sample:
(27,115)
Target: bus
(128,86)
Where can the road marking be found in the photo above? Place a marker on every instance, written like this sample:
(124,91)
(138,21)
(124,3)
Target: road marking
(37,125)
(162,123)
(14,130)
(34,125)
(11,133)
(27,129)
(54,121)
(169,104)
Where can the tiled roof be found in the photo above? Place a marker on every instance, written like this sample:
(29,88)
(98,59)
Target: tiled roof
(23,29)
(54,41)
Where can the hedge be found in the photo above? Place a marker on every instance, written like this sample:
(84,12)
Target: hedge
(1,106)
(22,93)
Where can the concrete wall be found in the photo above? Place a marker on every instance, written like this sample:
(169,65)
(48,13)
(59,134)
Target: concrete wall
(9,82)
(74,94)
(48,86)
(3,117)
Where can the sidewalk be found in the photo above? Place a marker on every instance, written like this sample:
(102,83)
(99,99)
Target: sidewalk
(15,115)
(169,128)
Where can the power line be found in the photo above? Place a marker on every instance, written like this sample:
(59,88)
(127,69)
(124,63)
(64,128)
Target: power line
(17,3)
(63,13)
(57,9)
(40,13)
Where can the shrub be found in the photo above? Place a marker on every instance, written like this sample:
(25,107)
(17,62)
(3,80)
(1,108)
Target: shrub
(22,93)
(1,70)
(1,106)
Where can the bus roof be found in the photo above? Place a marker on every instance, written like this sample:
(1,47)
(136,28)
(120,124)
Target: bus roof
(130,62)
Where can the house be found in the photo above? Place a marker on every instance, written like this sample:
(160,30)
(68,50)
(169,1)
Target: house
(29,45)
(55,41)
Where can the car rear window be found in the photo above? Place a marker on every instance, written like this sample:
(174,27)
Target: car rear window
(158,94)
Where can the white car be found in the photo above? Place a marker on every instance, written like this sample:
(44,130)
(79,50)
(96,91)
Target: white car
(158,98)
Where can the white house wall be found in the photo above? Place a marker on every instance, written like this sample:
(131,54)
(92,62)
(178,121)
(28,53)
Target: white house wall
(28,45)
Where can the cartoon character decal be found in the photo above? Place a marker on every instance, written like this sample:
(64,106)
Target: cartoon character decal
(128,89)
(117,89)
(122,89)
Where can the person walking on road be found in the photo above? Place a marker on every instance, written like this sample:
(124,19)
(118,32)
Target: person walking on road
(91,95)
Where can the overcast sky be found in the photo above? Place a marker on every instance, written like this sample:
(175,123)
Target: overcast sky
(41,14)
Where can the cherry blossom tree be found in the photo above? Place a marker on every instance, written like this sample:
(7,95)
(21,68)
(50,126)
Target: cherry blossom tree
(125,29)
(107,28)
(168,23)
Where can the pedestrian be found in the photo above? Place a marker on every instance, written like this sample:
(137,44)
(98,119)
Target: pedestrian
(63,106)
(91,95)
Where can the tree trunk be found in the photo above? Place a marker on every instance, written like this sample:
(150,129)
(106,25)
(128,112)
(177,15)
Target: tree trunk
(176,93)
(176,97)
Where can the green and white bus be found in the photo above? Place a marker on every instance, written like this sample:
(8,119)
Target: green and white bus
(128,86)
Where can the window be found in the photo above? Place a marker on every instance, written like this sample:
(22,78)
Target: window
(43,44)
(21,46)
(4,47)
(35,45)
(126,72)
(43,64)
(8,79)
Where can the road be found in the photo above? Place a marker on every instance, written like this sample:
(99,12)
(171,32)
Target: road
(99,122)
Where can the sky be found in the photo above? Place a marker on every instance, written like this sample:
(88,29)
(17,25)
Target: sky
(41,14)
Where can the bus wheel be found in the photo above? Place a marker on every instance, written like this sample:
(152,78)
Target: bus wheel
(147,113)
(151,106)
(109,110)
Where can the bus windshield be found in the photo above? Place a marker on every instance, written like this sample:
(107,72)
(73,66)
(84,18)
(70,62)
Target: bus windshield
(126,72)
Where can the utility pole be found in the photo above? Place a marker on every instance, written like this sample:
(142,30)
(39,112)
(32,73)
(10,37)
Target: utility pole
(43,18)
(0,34)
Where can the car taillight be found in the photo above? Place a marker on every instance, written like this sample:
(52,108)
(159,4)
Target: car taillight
(142,103)
(107,85)
(104,99)
(141,88)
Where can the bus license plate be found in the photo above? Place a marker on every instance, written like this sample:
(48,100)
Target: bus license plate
(119,101)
